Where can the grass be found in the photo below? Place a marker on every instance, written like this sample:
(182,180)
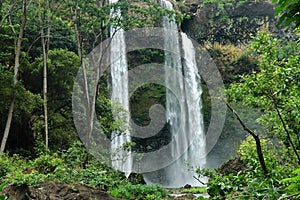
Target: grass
(195,190)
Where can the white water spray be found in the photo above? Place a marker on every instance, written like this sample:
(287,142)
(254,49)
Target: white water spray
(121,159)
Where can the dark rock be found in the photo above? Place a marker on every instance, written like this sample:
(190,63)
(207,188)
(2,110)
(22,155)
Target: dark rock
(232,166)
(55,191)
(233,23)
(187,186)
(136,178)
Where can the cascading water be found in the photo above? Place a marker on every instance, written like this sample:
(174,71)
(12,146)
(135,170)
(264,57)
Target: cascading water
(121,160)
(183,110)
(178,174)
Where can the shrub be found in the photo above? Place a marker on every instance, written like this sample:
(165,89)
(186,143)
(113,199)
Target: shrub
(11,164)
(32,179)
(293,183)
(47,163)
(139,192)
(76,155)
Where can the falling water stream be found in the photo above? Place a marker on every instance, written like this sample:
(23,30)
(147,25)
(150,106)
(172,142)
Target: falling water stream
(183,110)
(121,160)
(188,115)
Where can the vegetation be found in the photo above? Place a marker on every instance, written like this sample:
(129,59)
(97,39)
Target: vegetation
(139,192)
(288,12)
(274,89)
(71,167)
(44,43)
(195,190)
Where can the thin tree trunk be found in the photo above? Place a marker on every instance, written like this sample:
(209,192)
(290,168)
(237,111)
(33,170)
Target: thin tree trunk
(254,135)
(90,116)
(45,76)
(16,70)
(45,47)
(286,130)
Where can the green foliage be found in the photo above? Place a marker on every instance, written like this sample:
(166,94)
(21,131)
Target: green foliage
(105,114)
(47,163)
(75,155)
(3,196)
(139,192)
(251,183)
(288,12)
(6,45)
(274,89)
(293,182)
(32,179)
(195,190)
(40,147)
(248,154)
(73,166)
(231,61)
(11,164)
(246,185)
(62,69)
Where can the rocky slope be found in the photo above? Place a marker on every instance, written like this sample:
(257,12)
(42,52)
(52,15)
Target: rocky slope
(230,21)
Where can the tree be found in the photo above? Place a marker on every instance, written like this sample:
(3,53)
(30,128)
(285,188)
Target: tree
(274,89)
(45,38)
(18,43)
(254,135)
(61,70)
(92,21)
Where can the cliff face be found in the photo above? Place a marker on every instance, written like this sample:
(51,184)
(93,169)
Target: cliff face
(230,21)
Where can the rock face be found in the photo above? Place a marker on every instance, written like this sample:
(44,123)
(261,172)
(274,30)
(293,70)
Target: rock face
(231,21)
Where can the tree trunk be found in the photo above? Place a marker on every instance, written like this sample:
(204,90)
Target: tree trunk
(90,116)
(45,47)
(255,136)
(16,70)
(285,126)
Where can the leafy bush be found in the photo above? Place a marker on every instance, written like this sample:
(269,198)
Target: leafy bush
(32,179)
(47,163)
(75,155)
(139,192)
(3,196)
(248,154)
(4,166)
(293,183)
(251,183)
(73,167)
(10,165)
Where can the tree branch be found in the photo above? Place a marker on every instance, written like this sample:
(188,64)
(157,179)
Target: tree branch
(254,135)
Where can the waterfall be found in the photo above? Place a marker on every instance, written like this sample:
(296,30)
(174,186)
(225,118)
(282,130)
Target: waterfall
(183,110)
(121,160)
(178,174)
